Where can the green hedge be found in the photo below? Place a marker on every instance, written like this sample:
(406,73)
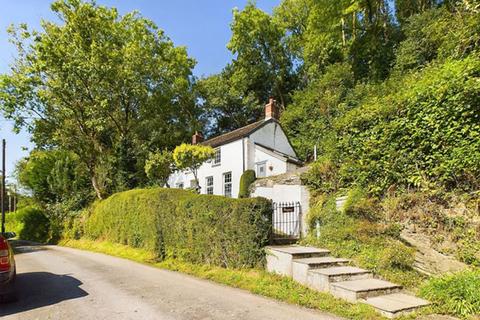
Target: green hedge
(29,223)
(247,178)
(178,223)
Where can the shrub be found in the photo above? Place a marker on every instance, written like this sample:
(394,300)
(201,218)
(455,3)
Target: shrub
(359,205)
(158,167)
(322,176)
(180,224)
(29,223)
(457,294)
(247,178)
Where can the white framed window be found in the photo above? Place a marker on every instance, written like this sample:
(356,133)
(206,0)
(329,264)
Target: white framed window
(261,169)
(209,185)
(217,158)
(227,184)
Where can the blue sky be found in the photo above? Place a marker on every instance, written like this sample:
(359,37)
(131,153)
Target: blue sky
(200,25)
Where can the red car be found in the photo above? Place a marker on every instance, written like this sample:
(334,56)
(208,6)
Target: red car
(7,268)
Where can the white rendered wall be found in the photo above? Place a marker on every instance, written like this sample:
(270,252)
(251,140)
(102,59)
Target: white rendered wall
(287,193)
(271,135)
(274,165)
(231,161)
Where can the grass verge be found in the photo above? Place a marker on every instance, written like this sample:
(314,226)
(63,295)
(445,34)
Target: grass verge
(253,280)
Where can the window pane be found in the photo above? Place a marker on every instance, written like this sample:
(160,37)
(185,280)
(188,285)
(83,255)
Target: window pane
(218,156)
(261,170)
(209,185)
(227,184)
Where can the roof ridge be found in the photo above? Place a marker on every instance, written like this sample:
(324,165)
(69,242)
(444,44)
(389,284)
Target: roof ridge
(234,134)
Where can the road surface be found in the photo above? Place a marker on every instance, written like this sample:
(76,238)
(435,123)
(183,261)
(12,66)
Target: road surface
(62,283)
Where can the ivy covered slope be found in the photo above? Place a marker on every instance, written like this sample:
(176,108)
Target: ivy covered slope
(405,151)
(180,224)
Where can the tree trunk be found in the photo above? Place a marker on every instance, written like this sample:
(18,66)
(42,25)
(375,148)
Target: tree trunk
(96,187)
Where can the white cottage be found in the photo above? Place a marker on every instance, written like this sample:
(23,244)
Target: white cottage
(261,146)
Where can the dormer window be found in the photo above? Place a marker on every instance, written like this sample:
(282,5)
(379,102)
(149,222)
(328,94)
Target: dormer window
(217,158)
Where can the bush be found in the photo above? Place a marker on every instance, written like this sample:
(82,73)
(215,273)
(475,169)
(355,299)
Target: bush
(180,224)
(359,205)
(247,178)
(457,294)
(322,176)
(29,223)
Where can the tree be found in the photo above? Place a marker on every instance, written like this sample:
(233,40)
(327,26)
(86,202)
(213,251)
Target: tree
(158,167)
(191,157)
(53,176)
(107,87)
(227,101)
(262,57)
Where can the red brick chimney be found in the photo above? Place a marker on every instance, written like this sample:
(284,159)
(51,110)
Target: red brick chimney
(197,137)
(271,109)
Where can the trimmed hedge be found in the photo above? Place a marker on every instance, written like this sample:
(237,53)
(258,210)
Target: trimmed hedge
(247,178)
(29,223)
(180,224)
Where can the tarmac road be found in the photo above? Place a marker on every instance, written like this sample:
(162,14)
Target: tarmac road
(63,283)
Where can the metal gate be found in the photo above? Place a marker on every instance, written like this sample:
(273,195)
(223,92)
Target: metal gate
(286,221)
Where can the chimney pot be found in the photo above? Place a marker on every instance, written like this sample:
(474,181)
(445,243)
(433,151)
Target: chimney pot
(197,137)
(271,109)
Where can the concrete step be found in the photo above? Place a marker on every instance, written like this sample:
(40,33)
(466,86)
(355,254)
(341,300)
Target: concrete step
(361,289)
(320,279)
(280,258)
(301,267)
(396,304)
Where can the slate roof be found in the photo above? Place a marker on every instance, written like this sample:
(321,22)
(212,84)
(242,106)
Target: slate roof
(235,134)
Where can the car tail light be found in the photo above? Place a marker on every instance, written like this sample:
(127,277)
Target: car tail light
(4,255)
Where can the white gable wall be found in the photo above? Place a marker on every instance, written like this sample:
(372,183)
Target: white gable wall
(274,165)
(271,135)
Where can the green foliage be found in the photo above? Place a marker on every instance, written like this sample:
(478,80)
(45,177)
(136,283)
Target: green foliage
(247,178)
(191,157)
(262,58)
(370,245)
(106,87)
(457,294)
(322,176)
(227,101)
(29,223)
(158,167)
(360,205)
(314,108)
(180,224)
(418,128)
(425,133)
(54,176)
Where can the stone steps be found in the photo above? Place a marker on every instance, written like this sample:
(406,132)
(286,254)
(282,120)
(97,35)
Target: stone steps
(320,279)
(280,258)
(353,290)
(396,304)
(314,268)
(301,267)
